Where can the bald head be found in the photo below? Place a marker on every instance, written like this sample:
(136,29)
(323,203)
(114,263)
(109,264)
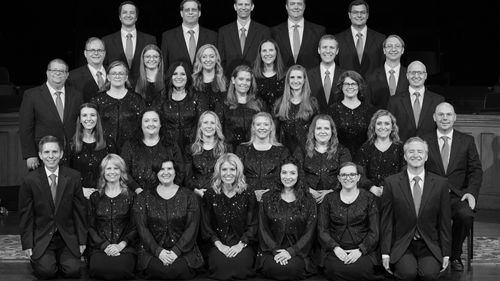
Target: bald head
(416,75)
(445,117)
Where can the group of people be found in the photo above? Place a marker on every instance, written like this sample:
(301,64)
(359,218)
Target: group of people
(243,152)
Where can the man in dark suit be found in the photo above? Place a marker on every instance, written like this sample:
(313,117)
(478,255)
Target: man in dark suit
(416,222)
(453,155)
(389,79)
(88,79)
(324,77)
(413,108)
(49,109)
(52,215)
(360,46)
(182,43)
(238,42)
(298,38)
(127,44)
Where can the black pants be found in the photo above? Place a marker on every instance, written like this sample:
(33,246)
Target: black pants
(362,269)
(237,268)
(462,217)
(56,259)
(102,266)
(294,270)
(179,270)
(417,261)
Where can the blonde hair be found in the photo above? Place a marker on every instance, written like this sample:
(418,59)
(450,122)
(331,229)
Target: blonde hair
(220,147)
(239,183)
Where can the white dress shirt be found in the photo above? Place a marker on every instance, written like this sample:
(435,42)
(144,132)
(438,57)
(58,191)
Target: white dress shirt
(290,32)
(396,72)
(355,32)
(54,96)
(124,39)
(185,32)
(441,141)
(93,71)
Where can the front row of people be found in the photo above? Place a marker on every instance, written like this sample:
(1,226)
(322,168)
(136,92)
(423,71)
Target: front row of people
(157,230)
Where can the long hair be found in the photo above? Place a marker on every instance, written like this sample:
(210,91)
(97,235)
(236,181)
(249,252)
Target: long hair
(220,147)
(272,136)
(142,81)
(299,187)
(189,79)
(219,82)
(282,106)
(278,66)
(239,183)
(97,131)
(232,99)
(112,65)
(116,160)
(357,78)
(372,135)
(333,143)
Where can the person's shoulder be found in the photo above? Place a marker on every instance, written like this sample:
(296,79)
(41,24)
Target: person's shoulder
(376,34)
(341,35)
(395,178)
(207,31)
(280,26)
(69,172)
(145,35)
(437,178)
(225,28)
(111,35)
(314,26)
(258,25)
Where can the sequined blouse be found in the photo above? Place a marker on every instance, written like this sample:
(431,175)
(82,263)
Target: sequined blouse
(200,168)
(320,173)
(110,221)
(262,167)
(215,99)
(168,224)
(88,161)
(119,116)
(378,165)
(230,220)
(269,89)
(153,97)
(237,123)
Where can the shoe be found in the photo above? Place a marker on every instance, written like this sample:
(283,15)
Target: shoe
(457,265)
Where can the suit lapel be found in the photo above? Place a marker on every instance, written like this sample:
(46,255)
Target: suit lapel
(428,189)
(426,106)
(139,45)
(350,38)
(306,37)
(61,185)
(252,32)
(406,101)
(235,37)
(456,142)
(47,97)
(401,85)
(368,44)
(435,153)
(180,38)
(45,187)
(286,38)
(117,41)
(406,189)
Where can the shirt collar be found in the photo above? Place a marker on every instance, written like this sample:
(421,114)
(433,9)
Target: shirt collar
(125,32)
(94,71)
(413,90)
(449,135)
(396,69)
(50,173)
(196,29)
(53,91)
(411,176)
(323,69)
(363,31)
(291,23)
(246,26)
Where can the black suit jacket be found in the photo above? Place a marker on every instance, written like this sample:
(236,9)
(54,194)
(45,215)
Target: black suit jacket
(464,171)
(173,44)
(228,43)
(373,54)
(377,90)
(81,79)
(400,105)
(308,54)
(115,51)
(38,117)
(317,90)
(399,221)
(40,217)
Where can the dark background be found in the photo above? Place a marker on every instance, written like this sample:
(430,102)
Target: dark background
(464,36)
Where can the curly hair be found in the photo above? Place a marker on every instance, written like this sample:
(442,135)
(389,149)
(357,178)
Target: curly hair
(372,135)
(219,83)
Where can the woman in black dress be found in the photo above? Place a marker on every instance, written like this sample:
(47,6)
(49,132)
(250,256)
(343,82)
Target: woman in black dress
(322,157)
(151,81)
(182,108)
(230,222)
(352,115)
(262,155)
(89,147)
(112,232)
(145,148)
(287,224)
(119,107)
(269,72)
(295,109)
(240,106)
(208,76)
(167,219)
(203,153)
(348,229)
(382,154)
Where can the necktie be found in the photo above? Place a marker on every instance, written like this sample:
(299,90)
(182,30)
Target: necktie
(129,49)
(59,105)
(417,193)
(243,37)
(53,186)
(296,42)
(359,46)
(416,108)
(327,85)
(392,82)
(192,45)
(445,152)
(100,80)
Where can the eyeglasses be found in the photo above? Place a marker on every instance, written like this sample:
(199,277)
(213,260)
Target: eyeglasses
(362,13)
(416,72)
(117,74)
(99,51)
(57,71)
(347,85)
(397,47)
(149,57)
(193,10)
(344,176)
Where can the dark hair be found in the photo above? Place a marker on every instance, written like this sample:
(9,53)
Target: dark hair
(252,101)
(156,167)
(300,188)
(349,163)
(142,81)
(189,79)
(333,143)
(258,65)
(181,6)
(358,3)
(97,131)
(92,39)
(138,134)
(112,65)
(357,78)
(49,139)
(128,3)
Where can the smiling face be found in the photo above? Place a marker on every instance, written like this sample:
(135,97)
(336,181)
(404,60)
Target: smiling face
(88,118)
(416,74)
(208,125)
(179,77)
(128,15)
(393,49)
(190,13)
(445,117)
(95,53)
(166,174)
(112,173)
(208,59)
(243,8)
(51,154)
(268,53)
(358,15)
(242,82)
(328,50)
(295,9)
(322,131)
(289,175)
(383,126)
(228,173)
(57,74)
(151,59)
(415,154)
(150,123)
(296,80)
(350,88)
(348,177)
(117,76)
(262,127)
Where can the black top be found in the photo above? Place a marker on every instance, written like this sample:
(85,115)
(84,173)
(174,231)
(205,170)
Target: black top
(139,159)
(180,118)
(168,224)
(119,116)
(237,124)
(378,165)
(200,168)
(88,161)
(230,220)
(349,226)
(320,173)
(110,221)
(287,225)
(215,100)
(262,168)
(269,89)
(352,124)
(153,97)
